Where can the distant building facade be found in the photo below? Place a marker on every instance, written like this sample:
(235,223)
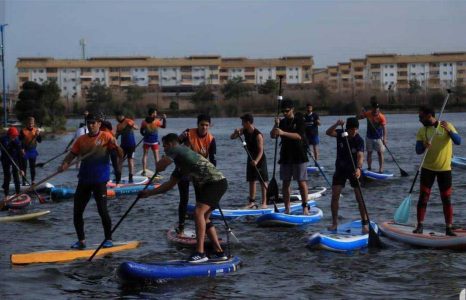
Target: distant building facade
(75,76)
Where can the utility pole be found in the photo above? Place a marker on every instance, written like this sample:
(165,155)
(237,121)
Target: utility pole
(82,43)
(2,46)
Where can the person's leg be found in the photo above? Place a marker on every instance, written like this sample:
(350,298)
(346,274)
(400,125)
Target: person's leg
(286,195)
(116,166)
(32,168)
(362,211)
(200,219)
(303,190)
(427,180)
(6,177)
(15,173)
(334,206)
(183,188)
(369,160)
(25,168)
(100,195)
(315,147)
(144,158)
(130,168)
(81,198)
(444,184)
(264,194)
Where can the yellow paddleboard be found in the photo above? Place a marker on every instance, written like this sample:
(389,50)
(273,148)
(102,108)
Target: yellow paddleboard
(55,256)
(24,217)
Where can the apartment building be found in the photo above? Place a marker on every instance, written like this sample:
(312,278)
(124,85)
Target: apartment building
(75,76)
(383,72)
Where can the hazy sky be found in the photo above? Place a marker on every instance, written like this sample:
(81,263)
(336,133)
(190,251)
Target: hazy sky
(331,31)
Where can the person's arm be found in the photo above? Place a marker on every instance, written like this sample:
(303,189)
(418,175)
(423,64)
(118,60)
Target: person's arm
(164,121)
(362,114)
(143,128)
(359,163)
(212,152)
(332,130)
(163,188)
(420,147)
(260,149)
(274,131)
(236,133)
(384,138)
(163,163)
(38,136)
(455,137)
(66,161)
(318,120)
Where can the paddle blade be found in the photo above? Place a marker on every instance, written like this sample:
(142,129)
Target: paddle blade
(272,193)
(403,211)
(232,236)
(404,173)
(40,165)
(374,239)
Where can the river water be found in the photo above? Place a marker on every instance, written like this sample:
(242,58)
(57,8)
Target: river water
(276,262)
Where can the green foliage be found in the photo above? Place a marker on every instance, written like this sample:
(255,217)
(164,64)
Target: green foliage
(55,108)
(99,98)
(235,89)
(202,95)
(322,92)
(269,87)
(134,93)
(460,93)
(174,106)
(414,87)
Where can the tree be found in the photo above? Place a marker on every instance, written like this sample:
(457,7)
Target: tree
(322,92)
(460,92)
(235,89)
(269,87)
(202,95)
(134,93)
(99,98)
(55,108)
(414,88)
(29,103)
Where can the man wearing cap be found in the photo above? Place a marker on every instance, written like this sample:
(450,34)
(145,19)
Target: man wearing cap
(312,121)
(11,146)
(293,157)
(256,169)
(376,136)
(94,173)
(344,168)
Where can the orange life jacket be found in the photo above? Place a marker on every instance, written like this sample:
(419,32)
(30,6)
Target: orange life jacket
(199,144)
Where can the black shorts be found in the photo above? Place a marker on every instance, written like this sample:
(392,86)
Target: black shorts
(340,177)
(128,151)
(211,193)
(251,172)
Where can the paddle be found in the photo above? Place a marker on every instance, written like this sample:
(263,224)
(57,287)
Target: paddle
(402,172)
(374,239)
(261,179)
(40,165)
(402,213)
(229,231)
(272,188)
(41,199)
(318,166)
(123,217)
(124,157)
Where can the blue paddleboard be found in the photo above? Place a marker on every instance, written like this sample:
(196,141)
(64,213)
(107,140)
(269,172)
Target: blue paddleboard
(176,269)
(314,169)
(348,237)
(377,176)
(459,162)
(296,218)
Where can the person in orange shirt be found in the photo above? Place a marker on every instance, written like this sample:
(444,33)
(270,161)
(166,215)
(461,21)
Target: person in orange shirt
(29,137)
(125,129)
(93,176)
(150,131)
(116,164)
(201,141)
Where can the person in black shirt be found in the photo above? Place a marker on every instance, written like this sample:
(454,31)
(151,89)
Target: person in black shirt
(293,157)
(312,121)
(344,169)
(255,145)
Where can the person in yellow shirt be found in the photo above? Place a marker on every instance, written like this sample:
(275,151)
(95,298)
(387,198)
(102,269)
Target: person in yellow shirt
(437,138)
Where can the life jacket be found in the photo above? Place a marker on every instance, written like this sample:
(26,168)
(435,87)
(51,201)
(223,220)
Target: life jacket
(29,138)
(199,144)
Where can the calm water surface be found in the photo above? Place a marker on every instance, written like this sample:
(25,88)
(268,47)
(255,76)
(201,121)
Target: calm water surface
(276,262)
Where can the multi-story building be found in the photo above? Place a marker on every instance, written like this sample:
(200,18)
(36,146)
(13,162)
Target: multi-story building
(75,76)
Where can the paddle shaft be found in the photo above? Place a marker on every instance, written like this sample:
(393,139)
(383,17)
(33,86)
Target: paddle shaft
(318,166)
(261,179)
(40,165)
(403,172)
(123,217)
(229,231)
(430,142)
(19,171)
(372,233)
(124,157)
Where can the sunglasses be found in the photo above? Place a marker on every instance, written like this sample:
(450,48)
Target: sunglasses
(285,111)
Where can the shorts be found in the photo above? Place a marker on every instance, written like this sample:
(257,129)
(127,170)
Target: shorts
(293,171)
(153,147)
(251,172)
(340,177)
(313,139)
(211,192)
(374,145)
(128,152)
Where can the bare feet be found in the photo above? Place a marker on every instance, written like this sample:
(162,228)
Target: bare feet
(332,227)
(287,211)
(264,206)
(306,211)
(251,205)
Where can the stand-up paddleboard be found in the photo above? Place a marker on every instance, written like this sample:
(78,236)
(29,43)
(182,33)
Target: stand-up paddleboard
(65,193)
(20,202)
(56,256)
(348,237)
(294,219)
(24,216)
(459,162)
(250,212)
(429,239)
(176,269)
(188,239)
(41,187)
(314,169)
(137,180)
(377,176)
(312,194)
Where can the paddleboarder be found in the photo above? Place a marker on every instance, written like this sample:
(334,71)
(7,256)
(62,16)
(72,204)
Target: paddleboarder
(209,186)
(255,145)
(201,141)
(293,153)
(125,129)
(150,131)
(437,164)
(376,135)
(312,121)
(344,169)
(11,143)
(29,137)
(93,176)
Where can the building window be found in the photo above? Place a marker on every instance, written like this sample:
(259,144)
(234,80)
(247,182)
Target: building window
(297,77)
(392,74)
(260,70)
(386,74)
(413,66)
(444,73)
(291,77)
(391,66)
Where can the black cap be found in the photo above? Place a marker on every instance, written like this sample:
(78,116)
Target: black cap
(248,118)
(91,118)
(352,123)
(287,104)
